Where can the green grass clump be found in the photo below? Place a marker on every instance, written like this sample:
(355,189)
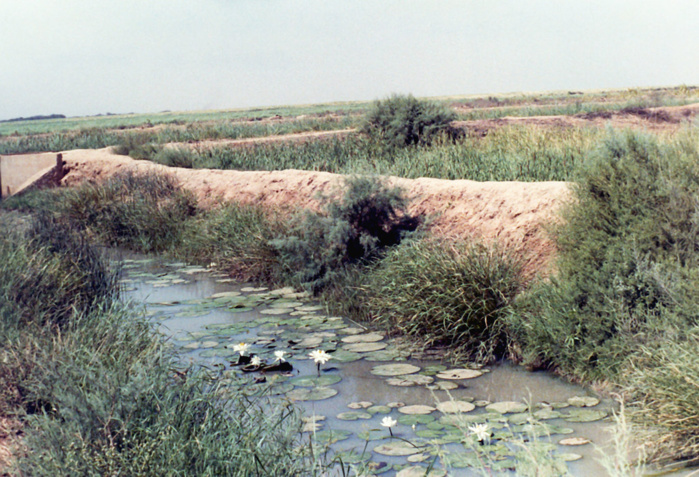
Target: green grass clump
(402,121)
(446,294)
(663,385)
(237,238)
(368,218)
(146,212)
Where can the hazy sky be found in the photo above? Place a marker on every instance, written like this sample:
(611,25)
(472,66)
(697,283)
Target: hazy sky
(80,57)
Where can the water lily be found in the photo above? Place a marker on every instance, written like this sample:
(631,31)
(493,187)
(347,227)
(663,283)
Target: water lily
(389,422)
(256,361)
(241,348)
(481,431)
(279,355)
(320,357)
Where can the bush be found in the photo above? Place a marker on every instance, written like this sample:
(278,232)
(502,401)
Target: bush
(405,121)
(628,245)
(146,212)
(446,294)
(356,229)
(175,157)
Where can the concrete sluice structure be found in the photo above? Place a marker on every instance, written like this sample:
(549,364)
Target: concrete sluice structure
(22,172)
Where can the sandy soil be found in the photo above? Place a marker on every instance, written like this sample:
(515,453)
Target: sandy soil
(511,213)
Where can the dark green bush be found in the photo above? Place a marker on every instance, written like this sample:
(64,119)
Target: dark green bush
(446,294)
(406,121)
(175,157)
(368,218)
(146,212)
(628,245)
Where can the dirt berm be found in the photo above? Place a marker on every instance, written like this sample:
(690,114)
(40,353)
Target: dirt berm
(510,213)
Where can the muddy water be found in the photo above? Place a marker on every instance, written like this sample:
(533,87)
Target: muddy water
(206,314)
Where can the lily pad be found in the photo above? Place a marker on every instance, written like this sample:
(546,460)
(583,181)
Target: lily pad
(360,405)
(583,401)
(363,338)
(218,352)
(378,410)
(574,441)
(417,409)
(584,415)
(410,380)
(342,356)
(315,381)
(451,407)
(443,386)
(331,436)
(311,394)
(409,420)
(373,435)
(459,373)
(226,294)
(398,448)
(353,415)
(396,369)
(274,311)
(364,347)
(505,407)
(569,456)
(419,471)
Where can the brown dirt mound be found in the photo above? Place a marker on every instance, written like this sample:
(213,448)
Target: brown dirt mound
(511,213)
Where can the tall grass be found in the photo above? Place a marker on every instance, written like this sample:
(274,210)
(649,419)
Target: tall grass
(105,395)
(450,294)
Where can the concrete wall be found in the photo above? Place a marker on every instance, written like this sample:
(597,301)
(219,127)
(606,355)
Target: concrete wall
(16,170)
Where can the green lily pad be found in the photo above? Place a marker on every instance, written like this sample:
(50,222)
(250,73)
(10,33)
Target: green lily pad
(353,415)
(452,407)
(378,410)
(429,433)
(506,407)
(373,435)
(410,380)
(352,457)
(227,294)
(416,409)
(331,436)
(584,415)
(274,311)
(385,355)
(217,352)
(311,394)
(398,448)
(395,369)
(460,373)
(363,338)
(360,405)
(209,344)
(419,471)
(409,420)
(315,381)
(342,356)
(364,347)
(547,413)
(583,401)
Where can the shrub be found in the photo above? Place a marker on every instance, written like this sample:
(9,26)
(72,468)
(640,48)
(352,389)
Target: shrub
(145,212)
(175,157)
(447,294)
(628,245)
(368,218)
(405,121)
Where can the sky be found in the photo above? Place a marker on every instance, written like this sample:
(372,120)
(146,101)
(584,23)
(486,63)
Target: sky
(85,57)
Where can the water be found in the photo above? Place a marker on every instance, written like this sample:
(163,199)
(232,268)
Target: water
(183,300)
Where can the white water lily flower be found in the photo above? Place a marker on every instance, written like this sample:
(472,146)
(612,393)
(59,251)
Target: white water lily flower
(256,361)
(319,356)
(388,422)
(481,432)
(241,348)
(279,355)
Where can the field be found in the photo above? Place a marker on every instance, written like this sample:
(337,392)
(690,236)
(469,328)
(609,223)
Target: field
(576,250)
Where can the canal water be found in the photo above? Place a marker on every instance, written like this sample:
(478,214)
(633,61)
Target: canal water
(436,409)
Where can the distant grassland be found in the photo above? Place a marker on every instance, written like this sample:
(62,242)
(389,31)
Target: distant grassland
(468,107)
